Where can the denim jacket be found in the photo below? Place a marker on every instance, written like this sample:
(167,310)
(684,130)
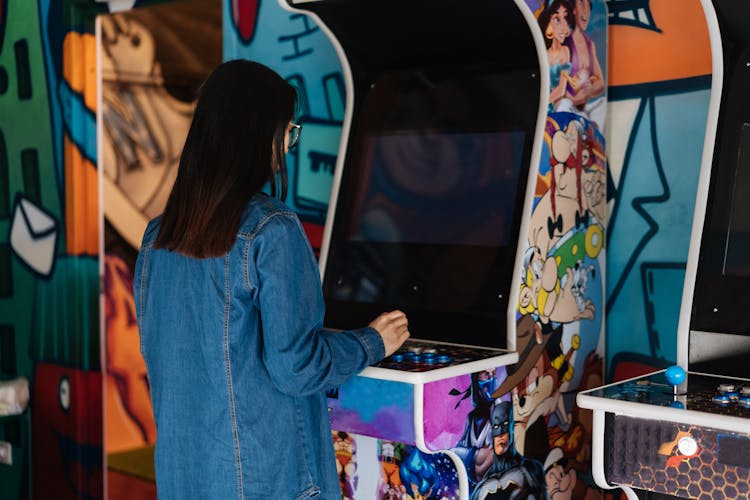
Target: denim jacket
(238,362)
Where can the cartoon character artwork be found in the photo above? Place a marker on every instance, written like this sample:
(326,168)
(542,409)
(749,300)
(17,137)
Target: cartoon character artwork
(418,476)
(580,278)
(390,455)
(427,477)
(575,181)
(511,475)
(574,441)
(345,449)
(577,83)
(144,125)
(588,100)
(536,383)
(559,478)
(561,294)
(475,445)
(567,225)
(557,22)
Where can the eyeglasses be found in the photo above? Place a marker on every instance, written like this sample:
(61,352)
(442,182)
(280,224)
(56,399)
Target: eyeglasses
(294,134)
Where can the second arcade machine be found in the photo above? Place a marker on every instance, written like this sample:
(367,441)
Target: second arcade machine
(687,433)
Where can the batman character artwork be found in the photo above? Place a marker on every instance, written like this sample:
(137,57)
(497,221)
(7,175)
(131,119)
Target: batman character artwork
(511,475)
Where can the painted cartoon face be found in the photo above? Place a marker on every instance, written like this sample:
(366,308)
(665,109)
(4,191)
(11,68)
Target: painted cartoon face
(566,145)
(343,443)
(501,426)
(486,383)
(559,25)
(585,157)
(540,385)
(532,379)
(560,483)
(582,12)
(565,181)
(500,443)
(539,292)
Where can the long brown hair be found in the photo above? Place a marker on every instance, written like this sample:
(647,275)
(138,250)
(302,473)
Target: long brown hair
(235,145)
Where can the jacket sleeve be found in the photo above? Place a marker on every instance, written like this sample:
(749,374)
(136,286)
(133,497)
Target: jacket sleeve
(301,357)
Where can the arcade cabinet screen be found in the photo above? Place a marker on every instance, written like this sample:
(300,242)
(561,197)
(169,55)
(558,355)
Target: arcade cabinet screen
(438,188)
(429,205)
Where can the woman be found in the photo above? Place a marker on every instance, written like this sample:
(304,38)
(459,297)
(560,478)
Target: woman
(230,310)
(556,22)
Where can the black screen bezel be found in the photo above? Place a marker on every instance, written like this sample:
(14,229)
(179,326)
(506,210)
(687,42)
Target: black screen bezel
(720,300)
(479,322)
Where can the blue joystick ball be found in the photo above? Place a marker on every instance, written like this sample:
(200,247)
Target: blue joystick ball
(675,375)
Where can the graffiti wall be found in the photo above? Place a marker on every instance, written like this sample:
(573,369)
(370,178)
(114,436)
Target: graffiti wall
(658,90)
(295,47)
(153,59)
(48,250)
(49,238)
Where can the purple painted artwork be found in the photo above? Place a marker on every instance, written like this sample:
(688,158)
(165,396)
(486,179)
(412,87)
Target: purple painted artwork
(448,404)
(374,407)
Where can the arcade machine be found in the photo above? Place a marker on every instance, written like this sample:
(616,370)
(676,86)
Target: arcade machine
(443,131)
(685,431)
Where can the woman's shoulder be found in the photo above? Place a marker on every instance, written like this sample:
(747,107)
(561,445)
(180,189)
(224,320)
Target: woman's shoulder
(262,210)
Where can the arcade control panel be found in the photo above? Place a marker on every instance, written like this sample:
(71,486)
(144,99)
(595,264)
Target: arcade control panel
(705,393)
(675,433)
(423,355)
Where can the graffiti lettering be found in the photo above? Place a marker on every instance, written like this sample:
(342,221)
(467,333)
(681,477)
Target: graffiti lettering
(294,39)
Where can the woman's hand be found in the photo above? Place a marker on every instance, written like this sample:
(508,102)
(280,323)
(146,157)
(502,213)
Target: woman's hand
(393,327)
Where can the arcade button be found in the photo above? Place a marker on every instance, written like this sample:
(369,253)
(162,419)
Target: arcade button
(687,446)
(675,375)
(444,358)
(730,390)
(744,397)
(721,399)
(398,357)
